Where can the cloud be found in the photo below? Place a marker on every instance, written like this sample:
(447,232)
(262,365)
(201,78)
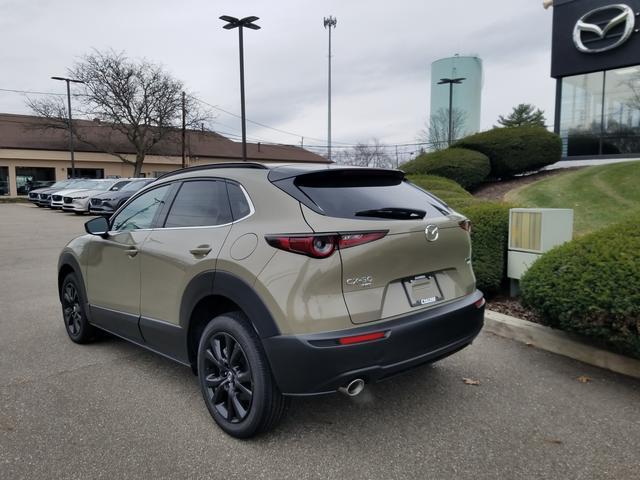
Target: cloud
(382,53)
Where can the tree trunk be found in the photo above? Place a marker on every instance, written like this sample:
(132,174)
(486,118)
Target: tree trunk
(137,169)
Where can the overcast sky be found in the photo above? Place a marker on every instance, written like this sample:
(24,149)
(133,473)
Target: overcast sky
(382,53)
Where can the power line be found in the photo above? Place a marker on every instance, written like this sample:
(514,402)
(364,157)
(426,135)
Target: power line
(261,124)
(342,145)
(31,92)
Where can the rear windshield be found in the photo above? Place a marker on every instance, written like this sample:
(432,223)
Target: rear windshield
(368,195)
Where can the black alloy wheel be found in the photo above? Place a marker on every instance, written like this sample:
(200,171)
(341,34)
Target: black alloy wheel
(75,318)
(235,377)
(227,377)
(71,309)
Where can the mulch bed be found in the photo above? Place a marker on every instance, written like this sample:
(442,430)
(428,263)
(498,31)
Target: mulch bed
(513,307)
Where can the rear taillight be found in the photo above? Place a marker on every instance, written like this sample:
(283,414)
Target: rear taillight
(321,245)
(465,225)
(367,337)
(480,303)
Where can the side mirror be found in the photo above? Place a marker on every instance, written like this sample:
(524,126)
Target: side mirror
(97,226)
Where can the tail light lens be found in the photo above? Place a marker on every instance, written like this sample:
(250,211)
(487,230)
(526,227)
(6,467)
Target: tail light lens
(368,337)
(323,245)
(465,225)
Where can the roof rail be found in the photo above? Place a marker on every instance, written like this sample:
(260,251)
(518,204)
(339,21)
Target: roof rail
(209,166)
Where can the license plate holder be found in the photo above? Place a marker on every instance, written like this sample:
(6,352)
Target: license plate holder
(422,290)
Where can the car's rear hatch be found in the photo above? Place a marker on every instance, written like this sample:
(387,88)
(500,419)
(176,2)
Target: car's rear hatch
(422,261)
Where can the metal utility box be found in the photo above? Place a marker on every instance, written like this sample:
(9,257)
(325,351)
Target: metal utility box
(533,231)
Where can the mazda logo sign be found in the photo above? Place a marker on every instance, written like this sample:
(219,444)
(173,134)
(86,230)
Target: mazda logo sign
(599,27)
(431,232)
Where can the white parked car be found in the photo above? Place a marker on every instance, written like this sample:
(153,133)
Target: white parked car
(77,201)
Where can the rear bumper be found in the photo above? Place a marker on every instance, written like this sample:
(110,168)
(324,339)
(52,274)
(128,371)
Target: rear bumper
(316,364)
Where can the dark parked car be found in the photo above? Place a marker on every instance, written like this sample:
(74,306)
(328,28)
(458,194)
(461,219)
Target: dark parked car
(42,196)
(108,202)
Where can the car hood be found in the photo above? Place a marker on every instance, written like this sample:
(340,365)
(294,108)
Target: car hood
(116,194)
(86,192)
(66,193)
(47,190)
(41,190)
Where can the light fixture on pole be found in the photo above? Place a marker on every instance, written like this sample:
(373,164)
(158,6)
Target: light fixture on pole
(68,81)
(451,81)
(329,22)
(241,23)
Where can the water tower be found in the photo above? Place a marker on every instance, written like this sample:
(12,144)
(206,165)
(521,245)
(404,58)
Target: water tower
(466,95)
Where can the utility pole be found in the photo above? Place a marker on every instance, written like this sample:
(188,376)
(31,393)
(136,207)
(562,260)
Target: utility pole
(329,23)
(184,131)
(397,162)
(71,150)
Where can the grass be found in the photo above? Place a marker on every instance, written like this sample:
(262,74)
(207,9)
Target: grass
(599,195)
(14,200)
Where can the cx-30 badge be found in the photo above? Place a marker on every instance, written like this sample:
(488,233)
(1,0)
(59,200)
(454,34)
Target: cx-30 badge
(431,232)
(606,37)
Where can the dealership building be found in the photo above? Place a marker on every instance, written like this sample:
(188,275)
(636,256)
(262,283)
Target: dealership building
(32,153)
(596,64)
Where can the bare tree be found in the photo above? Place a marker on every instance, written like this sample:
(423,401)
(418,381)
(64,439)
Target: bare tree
(134,99)
(436,133)
(366,155)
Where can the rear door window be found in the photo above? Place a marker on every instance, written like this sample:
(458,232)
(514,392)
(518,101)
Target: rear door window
(369,194)
(200,203)
(239,204)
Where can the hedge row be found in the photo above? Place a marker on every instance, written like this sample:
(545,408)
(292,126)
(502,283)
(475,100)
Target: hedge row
(443,188)
(515,150)
(496,153)
(466,167)
(591,286)
(489,240)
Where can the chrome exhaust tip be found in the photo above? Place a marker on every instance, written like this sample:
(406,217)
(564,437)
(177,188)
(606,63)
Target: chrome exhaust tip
(353,388)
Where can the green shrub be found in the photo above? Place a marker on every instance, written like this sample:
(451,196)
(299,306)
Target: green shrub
(489,237)
(467,167)
(443,188)
(591,286)
(515,150)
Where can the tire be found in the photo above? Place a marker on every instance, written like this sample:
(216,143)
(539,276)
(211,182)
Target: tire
(235,378)
(73,311)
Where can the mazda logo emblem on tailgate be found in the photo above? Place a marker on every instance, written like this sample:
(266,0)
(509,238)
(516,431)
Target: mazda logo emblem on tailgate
(431,232)
(603,32)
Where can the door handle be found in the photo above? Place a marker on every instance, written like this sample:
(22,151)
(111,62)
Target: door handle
(131,251)
(200,250)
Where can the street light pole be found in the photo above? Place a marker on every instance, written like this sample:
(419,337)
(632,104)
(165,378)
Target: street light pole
(247,22)
(73,160)
(329,23)
(451,81)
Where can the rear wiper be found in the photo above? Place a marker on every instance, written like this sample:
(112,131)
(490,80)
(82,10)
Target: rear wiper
(391,212)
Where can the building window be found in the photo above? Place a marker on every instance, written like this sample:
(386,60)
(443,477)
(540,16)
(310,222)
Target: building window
(4,180)
(600,113)
(31,178)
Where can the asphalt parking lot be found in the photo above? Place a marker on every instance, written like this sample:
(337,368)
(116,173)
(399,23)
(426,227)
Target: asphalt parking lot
(112,410)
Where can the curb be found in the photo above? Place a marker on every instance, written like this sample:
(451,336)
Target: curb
(559,342)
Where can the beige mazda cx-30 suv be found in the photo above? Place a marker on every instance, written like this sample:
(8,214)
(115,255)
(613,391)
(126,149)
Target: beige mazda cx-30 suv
(272,281)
